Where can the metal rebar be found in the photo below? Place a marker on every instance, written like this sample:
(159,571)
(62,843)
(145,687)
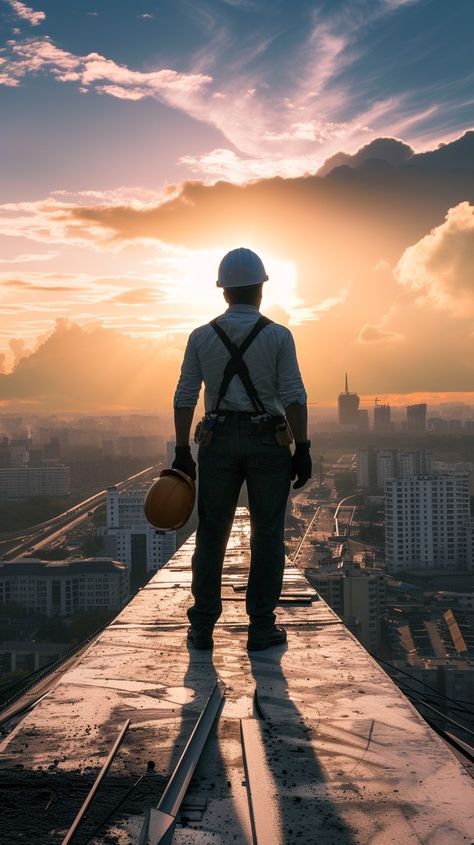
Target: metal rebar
(105,768)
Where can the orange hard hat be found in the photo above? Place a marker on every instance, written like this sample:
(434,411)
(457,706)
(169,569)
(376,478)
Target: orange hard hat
(170,500)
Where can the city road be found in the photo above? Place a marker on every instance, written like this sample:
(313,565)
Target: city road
(53,529)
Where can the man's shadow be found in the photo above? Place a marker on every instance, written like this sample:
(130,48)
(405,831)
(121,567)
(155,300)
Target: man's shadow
(210,781)
(307,814)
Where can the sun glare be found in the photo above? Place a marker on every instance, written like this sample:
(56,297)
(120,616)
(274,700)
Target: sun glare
(191,293)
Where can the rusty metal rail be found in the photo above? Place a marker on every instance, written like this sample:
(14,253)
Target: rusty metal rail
(159,827)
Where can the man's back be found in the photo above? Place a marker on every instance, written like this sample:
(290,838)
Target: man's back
(271,359)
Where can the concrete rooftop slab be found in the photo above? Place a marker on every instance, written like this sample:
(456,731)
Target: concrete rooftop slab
(345,757)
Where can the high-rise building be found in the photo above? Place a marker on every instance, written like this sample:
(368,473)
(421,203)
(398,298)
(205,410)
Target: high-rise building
(382,417)
(417,462)
(348,409)
(443,467)
(427,523)
(416,417)
(130,538)
(366,466)
(386,466)
(376,466)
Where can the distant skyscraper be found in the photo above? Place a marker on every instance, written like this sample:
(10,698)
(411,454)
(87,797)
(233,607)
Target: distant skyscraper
(428,523)
(416,417)
(348,410)
(382,417)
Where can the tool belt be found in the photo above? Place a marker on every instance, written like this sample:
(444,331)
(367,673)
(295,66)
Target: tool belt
(236,365)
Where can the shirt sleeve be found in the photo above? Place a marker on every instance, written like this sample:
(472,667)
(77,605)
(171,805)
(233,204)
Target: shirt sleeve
(190,380)
(290,384)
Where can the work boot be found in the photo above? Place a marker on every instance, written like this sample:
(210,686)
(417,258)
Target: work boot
(265,638)
(200,637)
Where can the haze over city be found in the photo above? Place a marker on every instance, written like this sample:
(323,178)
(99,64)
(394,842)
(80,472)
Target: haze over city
(141,142)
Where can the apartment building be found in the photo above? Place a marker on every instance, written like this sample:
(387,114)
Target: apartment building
(428,523)
(59,588)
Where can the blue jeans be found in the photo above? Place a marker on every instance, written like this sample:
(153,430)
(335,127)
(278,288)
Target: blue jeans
(240,452)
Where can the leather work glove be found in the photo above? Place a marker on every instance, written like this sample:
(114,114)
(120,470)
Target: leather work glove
(184,461)
(301,464)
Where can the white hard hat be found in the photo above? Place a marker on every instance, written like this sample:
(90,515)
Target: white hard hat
(240,268)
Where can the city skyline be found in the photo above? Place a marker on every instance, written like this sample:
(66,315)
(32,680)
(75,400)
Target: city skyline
(140,144)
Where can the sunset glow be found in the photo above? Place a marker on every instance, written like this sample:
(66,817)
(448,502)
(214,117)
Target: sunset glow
(135,159)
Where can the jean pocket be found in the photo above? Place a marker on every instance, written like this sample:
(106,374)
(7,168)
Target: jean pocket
(269,440)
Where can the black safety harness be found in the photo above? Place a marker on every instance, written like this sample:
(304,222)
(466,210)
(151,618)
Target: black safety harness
(237,366)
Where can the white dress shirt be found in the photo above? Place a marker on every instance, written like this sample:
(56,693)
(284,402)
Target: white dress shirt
(271,359)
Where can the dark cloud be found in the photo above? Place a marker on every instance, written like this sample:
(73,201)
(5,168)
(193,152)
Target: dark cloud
(380,202)
(390,150)
(457,154)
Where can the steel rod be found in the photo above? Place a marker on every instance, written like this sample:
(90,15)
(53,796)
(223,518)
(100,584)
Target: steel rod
(105,768)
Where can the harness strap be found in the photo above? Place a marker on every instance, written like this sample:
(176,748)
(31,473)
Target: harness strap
(236,364)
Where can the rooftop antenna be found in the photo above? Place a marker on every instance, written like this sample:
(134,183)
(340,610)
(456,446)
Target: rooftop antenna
(347,385)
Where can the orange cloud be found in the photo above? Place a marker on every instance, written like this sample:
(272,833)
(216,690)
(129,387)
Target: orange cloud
(81,369)
(377,334)
(440,266)
(136,296)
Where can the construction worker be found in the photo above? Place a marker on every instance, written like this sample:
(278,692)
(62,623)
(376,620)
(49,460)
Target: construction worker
(254,398)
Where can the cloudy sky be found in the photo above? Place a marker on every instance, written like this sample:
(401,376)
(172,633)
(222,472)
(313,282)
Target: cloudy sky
(140,141)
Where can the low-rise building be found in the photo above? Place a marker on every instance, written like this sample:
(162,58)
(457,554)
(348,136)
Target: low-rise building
(60,588)
(435,645)
(357,595)
(26,482)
